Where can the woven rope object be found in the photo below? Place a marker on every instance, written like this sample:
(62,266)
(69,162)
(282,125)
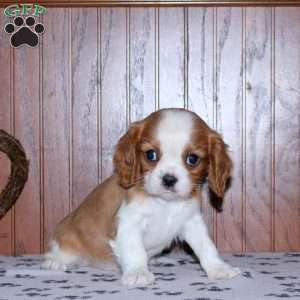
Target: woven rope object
(18,171)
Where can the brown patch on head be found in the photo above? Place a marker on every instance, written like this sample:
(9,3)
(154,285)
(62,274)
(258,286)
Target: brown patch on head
(199,146)
(129,159)
(214,161)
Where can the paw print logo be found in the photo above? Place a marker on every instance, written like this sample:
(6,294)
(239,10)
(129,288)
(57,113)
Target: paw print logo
(24,32)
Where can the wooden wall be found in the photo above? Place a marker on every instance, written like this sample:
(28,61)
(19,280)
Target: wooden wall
(96,70)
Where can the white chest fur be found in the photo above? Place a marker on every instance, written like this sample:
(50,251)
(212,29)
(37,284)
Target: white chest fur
(154,221)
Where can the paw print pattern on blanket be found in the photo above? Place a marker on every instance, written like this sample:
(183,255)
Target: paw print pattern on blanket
(264,276)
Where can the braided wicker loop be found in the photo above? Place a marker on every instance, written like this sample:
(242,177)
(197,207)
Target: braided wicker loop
(19,169)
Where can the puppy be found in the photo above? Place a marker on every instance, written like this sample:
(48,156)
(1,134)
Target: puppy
(152,199)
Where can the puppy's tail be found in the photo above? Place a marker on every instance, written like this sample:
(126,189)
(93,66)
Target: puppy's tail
(19,169)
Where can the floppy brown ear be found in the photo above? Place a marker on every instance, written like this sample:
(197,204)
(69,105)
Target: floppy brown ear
(126,160)
(220,165)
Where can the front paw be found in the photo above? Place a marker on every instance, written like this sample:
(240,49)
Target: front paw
(222,271)
(52,264)
(137,278)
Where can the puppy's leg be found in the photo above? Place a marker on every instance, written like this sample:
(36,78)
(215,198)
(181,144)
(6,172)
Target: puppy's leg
(58,259)
(129,249)
(195,234)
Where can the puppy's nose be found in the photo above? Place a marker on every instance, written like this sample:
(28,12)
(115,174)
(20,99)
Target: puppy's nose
(169,180)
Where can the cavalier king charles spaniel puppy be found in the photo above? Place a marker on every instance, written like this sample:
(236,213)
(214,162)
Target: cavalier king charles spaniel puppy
(152,199)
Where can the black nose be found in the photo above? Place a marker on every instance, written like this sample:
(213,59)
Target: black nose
(169,180)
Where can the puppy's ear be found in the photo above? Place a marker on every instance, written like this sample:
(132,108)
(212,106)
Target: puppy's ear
(126,160)
(220,165)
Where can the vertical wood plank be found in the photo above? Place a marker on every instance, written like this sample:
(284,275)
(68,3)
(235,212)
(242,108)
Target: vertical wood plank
(200,63)
(287,129)
(142,62)
(229,83)
(258,134)
(113,82)
(6,232)
(171,57)
(56,112)
(84,103)
(27,129)
(200,80)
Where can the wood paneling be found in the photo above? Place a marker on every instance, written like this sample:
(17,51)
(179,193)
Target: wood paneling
(56,120)
(84,97)
(142,62)
(171,59)
(114,81)
(27,109)
(96,70)
(229,102)
(258,124)
(6,228)
(287,130)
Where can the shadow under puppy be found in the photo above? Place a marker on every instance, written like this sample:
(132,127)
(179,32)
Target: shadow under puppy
(152,199)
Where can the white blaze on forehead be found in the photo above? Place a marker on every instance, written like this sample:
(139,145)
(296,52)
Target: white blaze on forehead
(174,132)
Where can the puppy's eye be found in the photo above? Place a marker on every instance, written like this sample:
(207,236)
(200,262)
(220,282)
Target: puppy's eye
(151,155)
(192,159)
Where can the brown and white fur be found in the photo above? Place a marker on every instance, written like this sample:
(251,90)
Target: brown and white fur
(152,199)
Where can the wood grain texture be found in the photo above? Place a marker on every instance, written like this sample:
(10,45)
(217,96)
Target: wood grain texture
(142,62)
(84,89)
(171,59)
(258,129)
(26,78)
(200,62)
(56,119)
(114,81)
(6,233)
(201,81)
(287,130)
(229,85)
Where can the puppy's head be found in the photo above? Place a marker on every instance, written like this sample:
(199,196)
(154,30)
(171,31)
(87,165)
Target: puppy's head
(170,153)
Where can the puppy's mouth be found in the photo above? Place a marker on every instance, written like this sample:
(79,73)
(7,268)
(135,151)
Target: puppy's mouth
(171,194)
(169,190)
(166,191)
